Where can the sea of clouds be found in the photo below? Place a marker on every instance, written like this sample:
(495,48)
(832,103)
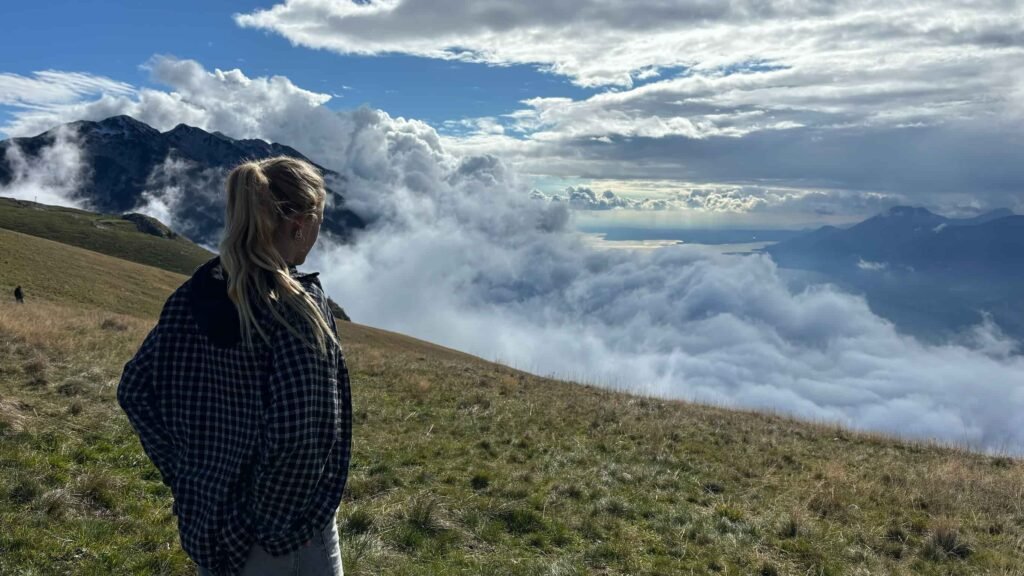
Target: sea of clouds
(458,253)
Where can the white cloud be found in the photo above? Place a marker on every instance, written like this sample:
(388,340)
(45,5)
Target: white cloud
(51,176)
(646,195)
(600,42)
(178,190)
(872,266)
(458,253)
(460,250)
(54,87)
(918,99)
(452,262)
(227,101)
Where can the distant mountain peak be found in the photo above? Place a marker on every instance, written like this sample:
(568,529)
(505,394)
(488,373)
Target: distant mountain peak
(127,125)
(908,212)
(129,172)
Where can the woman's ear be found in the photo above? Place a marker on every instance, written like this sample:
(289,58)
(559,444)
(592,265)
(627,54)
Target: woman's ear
(295,227)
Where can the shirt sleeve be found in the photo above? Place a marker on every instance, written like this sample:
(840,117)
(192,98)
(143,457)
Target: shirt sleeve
(303,424)
(136,396)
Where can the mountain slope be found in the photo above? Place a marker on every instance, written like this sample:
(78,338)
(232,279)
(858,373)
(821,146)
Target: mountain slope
(130,165)
(462,466)
(52,271)
(136,238)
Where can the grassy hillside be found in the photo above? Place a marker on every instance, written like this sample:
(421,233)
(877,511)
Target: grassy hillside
(53,271)
(104,233)
(462,466)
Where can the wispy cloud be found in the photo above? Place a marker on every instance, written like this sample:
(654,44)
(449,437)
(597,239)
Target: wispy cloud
(50,88)
(51,175)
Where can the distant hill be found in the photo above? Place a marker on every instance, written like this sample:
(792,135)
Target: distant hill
(913,238)
(931,275)
(133,237)
(127,158)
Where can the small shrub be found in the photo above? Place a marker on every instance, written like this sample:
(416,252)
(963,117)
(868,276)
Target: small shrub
(521,520)
(11,417)
(56,503)
(35,369)
(113,324)
(604,554)
(826,504)
(1002,462)
(480,481)
(359,521)
(896,533)
(730,513)
(790,527)
(100,489)
(616,507)
(72,387)
(572,491)
(25,490)
(423,514)
(945,542)
(712,487)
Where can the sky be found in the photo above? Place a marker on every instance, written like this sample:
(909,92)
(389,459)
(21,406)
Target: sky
(745,114)
(753,113)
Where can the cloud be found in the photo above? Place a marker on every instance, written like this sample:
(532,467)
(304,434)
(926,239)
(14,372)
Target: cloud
(597,43)
(723,199)
(226,101)
(53,87)
(462,257)
(185,197)
(914,99)
(457,252)
(52,176)
(872,266)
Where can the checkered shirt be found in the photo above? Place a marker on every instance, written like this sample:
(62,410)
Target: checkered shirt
(254,442)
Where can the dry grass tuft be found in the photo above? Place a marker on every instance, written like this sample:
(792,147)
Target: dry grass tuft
(35,369)
(100,489)
(11,416)
(114,325)
(57,503)
(947,541)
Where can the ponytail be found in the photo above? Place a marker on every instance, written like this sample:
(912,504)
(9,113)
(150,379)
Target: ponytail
(260,197)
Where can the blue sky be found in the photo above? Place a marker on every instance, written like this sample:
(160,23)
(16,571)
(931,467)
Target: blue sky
(115,39)
(748,112)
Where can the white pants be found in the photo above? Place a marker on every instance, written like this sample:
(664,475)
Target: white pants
(321,557)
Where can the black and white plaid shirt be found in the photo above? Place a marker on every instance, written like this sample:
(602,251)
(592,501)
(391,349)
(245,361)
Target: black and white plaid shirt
(253,442)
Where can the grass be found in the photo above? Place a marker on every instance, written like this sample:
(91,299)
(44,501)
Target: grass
(462,466)
(53,271)
(104,233)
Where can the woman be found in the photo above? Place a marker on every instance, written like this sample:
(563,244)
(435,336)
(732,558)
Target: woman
(240,394)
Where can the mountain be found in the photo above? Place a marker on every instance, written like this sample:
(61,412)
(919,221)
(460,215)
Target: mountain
(132,165)
(929,274)
(913,238)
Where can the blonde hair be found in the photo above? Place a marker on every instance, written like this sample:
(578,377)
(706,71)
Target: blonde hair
(262,195)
